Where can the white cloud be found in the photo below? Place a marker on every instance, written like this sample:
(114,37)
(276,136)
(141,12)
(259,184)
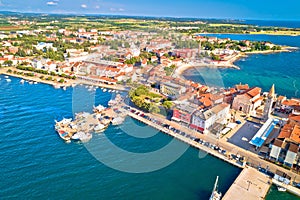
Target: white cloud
(97,7)
(52,3)
(117,9)
(83,6)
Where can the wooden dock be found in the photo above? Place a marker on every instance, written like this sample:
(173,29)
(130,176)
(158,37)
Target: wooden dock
(249,185)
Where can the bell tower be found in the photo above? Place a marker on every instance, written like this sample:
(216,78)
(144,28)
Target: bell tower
(269,103)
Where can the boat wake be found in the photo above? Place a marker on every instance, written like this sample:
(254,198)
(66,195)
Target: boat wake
(296,89)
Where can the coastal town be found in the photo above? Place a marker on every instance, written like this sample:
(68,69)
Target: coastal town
(243,125)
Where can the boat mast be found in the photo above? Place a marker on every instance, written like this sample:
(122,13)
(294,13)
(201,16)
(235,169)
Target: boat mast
(216,184)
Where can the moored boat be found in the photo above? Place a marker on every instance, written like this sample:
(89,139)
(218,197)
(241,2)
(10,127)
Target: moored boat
(98,109)
(215,195)
(117,121)
(281,189)
(83,137)
(99,128)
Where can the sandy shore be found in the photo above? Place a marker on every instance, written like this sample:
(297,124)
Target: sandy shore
(284,33)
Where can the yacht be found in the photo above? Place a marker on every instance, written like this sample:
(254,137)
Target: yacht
(104,90)
(215,195)
(8,80)
(22,81)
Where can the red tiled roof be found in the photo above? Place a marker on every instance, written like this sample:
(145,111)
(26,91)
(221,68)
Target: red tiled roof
(254,91)
(291,102)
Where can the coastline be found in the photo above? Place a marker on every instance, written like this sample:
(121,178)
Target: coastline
(68,83)
(229,63)
(292,34)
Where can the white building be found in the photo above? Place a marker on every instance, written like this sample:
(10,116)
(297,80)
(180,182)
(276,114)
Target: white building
(42,45)
(291,155)
(204,120)
(276,149)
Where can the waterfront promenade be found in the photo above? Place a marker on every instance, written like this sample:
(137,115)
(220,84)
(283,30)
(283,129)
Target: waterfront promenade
(253,160)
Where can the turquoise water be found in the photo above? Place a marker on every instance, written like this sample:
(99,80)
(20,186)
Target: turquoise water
(282,69)
(37,164)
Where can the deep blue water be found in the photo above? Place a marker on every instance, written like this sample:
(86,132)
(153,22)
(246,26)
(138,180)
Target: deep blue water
(37,164)
(282,23)
(282,69)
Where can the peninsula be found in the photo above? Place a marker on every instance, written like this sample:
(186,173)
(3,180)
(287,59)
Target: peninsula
(242,125)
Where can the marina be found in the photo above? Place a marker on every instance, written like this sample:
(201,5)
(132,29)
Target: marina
(84,124)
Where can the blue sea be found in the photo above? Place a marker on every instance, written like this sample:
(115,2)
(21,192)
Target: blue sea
(37,164)
(275,23)
(262,70)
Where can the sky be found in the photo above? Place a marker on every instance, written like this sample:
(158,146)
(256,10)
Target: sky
(228,9)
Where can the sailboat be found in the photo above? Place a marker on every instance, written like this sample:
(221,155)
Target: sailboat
(215,195)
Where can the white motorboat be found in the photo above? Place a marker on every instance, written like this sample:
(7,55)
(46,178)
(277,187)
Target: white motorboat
(22,81)
(281,189)
(117,121)
(99,128)
(8,80)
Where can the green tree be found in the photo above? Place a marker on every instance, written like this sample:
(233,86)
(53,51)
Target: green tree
(167,104)
(8,63)
(154,108)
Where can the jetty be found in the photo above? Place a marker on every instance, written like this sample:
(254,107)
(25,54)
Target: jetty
(249,185)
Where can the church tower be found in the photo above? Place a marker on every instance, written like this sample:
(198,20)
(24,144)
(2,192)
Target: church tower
(269,103)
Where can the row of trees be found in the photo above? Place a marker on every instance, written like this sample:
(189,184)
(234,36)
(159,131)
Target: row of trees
(41,71)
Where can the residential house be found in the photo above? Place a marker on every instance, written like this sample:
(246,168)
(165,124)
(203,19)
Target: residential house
(291,155)
(276,149)
(183,112)
(172,90)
